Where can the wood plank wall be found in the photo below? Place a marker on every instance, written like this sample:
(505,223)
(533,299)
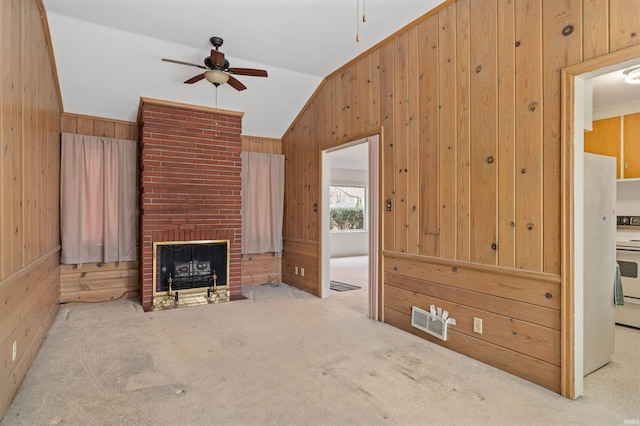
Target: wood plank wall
(29,195)
(472,90)
(261,268)
(99,282)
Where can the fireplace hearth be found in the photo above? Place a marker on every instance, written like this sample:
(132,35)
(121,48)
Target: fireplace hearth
(190,273)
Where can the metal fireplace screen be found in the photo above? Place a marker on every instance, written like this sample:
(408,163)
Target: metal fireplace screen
(190,264)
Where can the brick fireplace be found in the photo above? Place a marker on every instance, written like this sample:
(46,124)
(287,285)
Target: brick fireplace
(190,183)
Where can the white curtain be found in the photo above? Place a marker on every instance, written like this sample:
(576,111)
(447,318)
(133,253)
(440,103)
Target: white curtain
(98,199)
(262,202)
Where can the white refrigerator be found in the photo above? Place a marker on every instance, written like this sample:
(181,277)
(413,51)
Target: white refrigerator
(599,259)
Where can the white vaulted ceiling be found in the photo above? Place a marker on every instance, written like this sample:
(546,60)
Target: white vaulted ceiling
(108,52)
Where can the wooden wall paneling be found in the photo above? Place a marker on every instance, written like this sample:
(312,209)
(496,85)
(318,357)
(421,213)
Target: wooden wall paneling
(104,129)
(365,101)
(337,109)
(428,134)
(506,134)
(302,254)
(319,117)
(98,126)
(260,144)
(327,95)
(348,85)
(534,370)
(99,282)
(313,185)
(388,172)
(69,123)
(463,137)
(483,107)
(400,124)
(561,29)
(4,138)
(297,219)
(543,316)
(333,119)
(447,120)
(529,104)
(29,181)
(507,332)
(375,90)
(305,147)
(357,98)
(85,126)
(126,131)
(413,135)
(309,173)
(51,186)
(519,285)
(29,150)
(624,24)
(11,114)
(296,190)
(261,268)
(595,28)
(26,320)
(287,210)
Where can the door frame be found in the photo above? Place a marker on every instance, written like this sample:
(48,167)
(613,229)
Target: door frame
(572,148)
(375,217)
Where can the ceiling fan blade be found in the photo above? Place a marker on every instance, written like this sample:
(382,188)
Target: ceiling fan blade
(235,83)
(248,71)
(184,63)
(217,57)
(195,79)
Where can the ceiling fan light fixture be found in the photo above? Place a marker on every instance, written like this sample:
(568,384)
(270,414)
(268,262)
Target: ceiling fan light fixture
(632,75)
(216,77)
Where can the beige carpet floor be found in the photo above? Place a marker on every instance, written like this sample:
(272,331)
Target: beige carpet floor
(283,357)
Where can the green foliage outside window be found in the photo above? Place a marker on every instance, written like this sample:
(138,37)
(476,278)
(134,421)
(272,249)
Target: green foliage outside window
(346,207)
(346,218)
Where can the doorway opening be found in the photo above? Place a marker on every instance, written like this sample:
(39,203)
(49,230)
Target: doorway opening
(349,240)
(577,115)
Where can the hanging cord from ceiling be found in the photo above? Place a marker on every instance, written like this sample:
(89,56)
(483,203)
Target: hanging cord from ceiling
(364,18)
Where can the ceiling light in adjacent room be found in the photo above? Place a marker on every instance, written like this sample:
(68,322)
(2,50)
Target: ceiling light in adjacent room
(216,77)
(632,75)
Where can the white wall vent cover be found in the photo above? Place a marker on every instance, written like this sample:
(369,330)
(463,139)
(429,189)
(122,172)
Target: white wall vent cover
(434,322)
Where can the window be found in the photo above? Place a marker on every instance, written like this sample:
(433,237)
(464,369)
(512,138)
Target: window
(98,199)
(347,208)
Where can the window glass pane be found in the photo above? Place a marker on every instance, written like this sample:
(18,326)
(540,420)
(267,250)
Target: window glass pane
(346,204)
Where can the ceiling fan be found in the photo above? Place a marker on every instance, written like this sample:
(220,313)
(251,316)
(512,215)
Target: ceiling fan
(217,69)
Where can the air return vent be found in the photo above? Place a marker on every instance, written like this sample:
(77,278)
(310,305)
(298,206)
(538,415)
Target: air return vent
(434,322)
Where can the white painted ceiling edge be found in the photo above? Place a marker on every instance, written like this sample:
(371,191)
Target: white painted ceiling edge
(108,52)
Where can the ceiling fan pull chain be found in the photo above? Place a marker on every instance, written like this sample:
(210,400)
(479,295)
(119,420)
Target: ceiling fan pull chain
(364,15)
(357,21)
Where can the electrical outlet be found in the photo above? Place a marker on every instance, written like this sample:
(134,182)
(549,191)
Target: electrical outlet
(302,271)
(477,325)
(295,270)
(15,351)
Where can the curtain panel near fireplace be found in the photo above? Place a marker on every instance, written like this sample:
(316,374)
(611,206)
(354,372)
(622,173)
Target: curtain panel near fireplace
(262,202)
(98,199)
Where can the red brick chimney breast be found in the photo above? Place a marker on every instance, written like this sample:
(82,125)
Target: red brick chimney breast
(190,182)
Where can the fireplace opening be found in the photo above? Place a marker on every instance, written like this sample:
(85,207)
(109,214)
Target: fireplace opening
(190,272)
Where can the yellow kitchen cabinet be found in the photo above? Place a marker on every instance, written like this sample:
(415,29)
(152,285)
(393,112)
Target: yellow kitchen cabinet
(631,136)
(604,139)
